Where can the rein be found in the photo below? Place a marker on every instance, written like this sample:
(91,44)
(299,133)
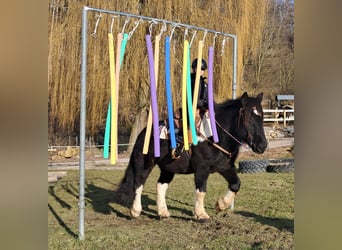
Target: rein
(216,145)
(226,132)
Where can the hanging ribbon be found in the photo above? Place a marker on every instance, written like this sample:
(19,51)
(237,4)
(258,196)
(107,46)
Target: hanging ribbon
(198,74)
(189,102)
(184,113)
(114,106)
(108,118)
(210,93)
(154,102)
(107,132)
(169,92)
(149,119)
(113,123)
(123,47)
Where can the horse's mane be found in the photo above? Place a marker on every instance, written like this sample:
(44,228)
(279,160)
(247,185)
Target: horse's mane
(227,103)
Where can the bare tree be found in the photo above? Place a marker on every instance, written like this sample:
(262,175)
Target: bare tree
(271,70)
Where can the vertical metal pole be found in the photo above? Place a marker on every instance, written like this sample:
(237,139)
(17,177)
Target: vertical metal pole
(234,66)
(83,120)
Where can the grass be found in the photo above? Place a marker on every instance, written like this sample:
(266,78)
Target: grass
(263,216)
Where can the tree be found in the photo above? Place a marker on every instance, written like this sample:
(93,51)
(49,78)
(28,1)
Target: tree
(244,18)
(271,70)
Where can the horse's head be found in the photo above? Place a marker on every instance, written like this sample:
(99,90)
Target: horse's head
(252,117)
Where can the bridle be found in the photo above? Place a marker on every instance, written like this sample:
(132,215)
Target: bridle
(244,120)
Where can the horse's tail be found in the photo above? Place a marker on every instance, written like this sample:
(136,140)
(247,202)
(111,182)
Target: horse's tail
(125,194)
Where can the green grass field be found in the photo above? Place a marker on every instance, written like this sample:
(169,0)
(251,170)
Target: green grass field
(263,216)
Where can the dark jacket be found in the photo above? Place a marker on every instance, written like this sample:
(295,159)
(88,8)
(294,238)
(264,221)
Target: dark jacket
(202,101)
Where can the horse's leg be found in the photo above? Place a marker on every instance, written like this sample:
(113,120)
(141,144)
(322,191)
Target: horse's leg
(137,207)
(162,185)
(233,187)
(201,178)
(143,170)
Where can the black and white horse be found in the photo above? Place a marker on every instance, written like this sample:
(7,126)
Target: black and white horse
(238,121)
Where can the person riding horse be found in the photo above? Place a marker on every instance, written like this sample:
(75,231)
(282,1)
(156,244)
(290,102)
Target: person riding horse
(202,103)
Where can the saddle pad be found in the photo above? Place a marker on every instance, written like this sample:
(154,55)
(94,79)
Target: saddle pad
(163,132)
(205,127)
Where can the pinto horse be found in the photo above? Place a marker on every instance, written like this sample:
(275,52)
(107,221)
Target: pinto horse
(238,121)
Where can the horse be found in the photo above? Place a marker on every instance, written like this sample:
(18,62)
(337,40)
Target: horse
(239,121)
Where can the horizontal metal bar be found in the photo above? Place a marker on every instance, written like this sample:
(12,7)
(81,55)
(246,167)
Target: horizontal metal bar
(159,20)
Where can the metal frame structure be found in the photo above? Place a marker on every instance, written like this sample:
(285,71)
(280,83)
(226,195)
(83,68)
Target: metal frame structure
(84,42)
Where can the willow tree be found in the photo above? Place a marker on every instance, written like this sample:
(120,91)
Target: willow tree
(245,18)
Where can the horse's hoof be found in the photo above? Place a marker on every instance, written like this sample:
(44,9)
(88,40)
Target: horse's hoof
(134,213)
(220,205)
(203,220)
(164,213)
(163,217)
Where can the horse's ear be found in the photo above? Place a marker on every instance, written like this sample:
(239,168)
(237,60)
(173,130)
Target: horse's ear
(260,96)
(244,99)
